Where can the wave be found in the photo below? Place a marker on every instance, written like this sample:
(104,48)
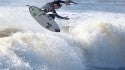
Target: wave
(104,44)
(6,32)
(91,39)
(39,51)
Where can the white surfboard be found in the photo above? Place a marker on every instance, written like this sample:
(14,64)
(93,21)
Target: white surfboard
(43,19)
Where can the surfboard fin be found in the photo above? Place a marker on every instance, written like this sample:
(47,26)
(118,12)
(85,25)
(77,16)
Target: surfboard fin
(57,30)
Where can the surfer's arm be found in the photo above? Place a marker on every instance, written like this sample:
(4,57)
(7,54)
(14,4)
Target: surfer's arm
(73,2)
(66,2)
(58,16)
(60,1)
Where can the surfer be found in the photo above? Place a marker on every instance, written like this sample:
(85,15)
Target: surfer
(51,6)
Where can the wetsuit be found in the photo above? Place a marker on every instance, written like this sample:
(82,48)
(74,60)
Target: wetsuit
(66,0)
(49,8)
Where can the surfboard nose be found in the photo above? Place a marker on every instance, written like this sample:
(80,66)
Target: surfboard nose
(57,30)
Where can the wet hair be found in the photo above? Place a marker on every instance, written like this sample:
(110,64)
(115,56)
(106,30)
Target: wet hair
(56,2)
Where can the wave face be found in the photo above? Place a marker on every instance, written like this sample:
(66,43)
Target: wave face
(93,38)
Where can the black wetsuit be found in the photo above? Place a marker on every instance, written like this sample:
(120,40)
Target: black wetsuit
(49,8)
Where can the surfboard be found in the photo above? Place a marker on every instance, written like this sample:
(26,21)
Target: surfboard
(43,19)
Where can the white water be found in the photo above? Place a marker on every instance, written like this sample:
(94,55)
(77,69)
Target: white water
(95,40)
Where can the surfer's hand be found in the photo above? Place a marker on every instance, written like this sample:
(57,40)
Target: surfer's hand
(66,18)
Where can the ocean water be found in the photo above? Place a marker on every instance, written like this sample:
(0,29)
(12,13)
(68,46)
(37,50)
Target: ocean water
(93,38)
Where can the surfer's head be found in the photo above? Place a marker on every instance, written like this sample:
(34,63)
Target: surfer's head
(56,5)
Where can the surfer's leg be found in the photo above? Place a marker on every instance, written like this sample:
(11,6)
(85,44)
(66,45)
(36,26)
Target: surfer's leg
(52,15)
